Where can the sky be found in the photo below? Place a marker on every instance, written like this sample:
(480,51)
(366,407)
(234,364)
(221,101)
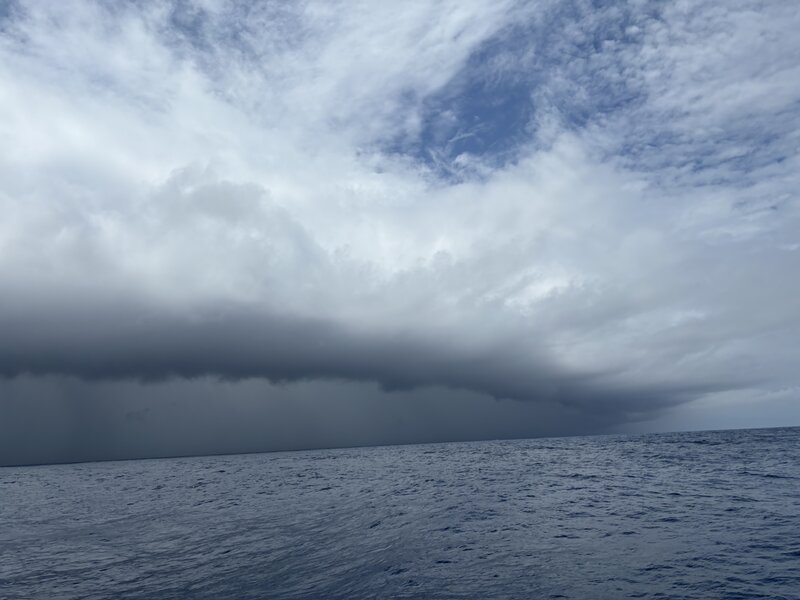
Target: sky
(251,226)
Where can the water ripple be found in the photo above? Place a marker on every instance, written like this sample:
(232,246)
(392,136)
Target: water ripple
(711,515)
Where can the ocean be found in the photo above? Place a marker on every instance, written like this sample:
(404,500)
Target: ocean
(680,515)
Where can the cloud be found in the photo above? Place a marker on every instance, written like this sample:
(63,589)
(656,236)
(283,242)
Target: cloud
(594,207)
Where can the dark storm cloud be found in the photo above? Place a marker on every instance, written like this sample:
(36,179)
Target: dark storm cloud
(115,341)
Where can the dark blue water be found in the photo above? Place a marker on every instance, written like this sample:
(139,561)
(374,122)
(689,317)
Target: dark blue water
(690,515)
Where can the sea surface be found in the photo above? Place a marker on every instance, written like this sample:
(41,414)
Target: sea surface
(684,515)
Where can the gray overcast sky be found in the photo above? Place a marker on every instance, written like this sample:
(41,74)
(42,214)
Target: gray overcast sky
(233,226)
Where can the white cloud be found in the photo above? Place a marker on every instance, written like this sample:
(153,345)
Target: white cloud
(236,160)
